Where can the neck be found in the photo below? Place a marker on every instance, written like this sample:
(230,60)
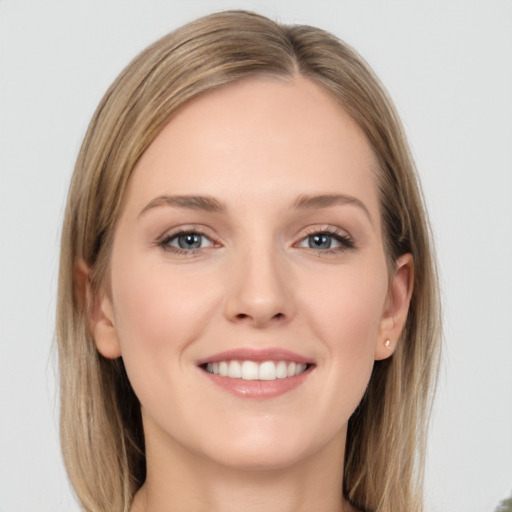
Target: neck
(177,480)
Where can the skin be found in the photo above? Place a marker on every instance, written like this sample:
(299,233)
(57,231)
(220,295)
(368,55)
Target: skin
(255,146)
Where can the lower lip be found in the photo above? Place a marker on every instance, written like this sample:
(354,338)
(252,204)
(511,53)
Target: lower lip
(261,389)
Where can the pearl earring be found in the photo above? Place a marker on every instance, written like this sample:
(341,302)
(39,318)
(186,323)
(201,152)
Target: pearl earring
(387,344)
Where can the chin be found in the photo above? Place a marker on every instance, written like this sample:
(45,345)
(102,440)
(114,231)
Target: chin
(264,450)
(258,459)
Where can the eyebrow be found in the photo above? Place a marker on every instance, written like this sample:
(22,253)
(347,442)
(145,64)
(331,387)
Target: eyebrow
(204,203)
(306,202)
(212,205)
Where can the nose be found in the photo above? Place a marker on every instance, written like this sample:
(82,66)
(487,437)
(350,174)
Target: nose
(260,290)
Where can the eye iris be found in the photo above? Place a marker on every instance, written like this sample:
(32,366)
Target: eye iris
(320,241)
(189,241)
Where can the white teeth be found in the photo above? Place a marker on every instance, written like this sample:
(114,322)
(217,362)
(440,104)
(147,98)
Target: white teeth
(300,368)
(235,370)
(267,371)
(223,369)
(282,370)
(251,370)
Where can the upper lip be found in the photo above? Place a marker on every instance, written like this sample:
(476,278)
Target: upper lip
(256,355)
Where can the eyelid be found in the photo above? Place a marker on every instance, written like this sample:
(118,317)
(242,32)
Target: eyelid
(344,238)
(170,234)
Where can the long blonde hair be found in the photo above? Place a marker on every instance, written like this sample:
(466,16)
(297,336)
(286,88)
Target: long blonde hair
(101,429)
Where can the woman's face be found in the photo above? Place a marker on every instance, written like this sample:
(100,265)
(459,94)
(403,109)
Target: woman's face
(249,293)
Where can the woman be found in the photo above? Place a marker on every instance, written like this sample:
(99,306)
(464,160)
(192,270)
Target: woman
(255,319)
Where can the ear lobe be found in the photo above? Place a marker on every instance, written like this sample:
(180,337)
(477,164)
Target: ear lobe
(396,308)
(99,312)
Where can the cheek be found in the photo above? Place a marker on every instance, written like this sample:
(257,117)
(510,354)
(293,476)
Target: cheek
(346,317)
(158,311)
(348,307)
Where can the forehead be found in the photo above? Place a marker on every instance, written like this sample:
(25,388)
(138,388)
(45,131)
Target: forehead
(255,136)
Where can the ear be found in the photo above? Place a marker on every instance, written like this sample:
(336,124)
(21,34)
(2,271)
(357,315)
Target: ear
(396,307)
(99,312)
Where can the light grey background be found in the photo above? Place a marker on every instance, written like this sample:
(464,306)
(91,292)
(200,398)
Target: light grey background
(448,66)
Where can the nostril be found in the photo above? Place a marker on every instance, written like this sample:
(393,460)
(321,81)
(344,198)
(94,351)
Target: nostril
(242,316)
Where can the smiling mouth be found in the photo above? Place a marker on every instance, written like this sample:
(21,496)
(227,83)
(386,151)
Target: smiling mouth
(252,370)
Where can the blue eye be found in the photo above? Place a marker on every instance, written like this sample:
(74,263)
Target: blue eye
(320,241)
(189,241)
(183,242)
(326,241)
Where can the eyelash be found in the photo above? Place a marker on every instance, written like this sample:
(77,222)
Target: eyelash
(346,242)
(165,241)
